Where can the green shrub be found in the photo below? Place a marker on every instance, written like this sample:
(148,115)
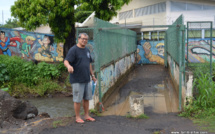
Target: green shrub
(26,77)
(4,74)
(61,67)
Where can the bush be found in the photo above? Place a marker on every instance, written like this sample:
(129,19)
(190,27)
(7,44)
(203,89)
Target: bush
(26,74)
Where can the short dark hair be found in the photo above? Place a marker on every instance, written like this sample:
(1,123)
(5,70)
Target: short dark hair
(3,32)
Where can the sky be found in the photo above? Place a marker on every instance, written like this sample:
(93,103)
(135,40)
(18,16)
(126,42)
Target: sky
(5,7)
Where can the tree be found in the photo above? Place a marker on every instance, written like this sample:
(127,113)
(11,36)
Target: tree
(11,23)
(81,15)
(105,9)
(59,14)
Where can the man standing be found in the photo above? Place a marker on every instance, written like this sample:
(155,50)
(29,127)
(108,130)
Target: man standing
(78,63)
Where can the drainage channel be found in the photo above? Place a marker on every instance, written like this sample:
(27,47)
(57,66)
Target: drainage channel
(163,99)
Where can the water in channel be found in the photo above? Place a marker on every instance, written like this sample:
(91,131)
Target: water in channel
(55,107)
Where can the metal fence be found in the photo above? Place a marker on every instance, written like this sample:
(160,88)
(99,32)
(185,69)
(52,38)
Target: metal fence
(199,46)
(108,43)
(174,47)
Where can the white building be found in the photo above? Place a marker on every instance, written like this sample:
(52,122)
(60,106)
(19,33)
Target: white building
(163,12)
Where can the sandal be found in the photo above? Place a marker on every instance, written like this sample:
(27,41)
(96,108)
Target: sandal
(80,121)
(90,119)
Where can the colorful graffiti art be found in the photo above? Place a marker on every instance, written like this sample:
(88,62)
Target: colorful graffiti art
(199,50)
(29,45)
(150,52)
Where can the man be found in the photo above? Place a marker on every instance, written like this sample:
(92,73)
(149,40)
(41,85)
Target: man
(78,63)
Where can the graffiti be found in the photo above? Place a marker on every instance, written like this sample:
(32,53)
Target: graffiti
(150,52)
(107,78)
(110,74)
(6,42)
(32,46)
(199,50)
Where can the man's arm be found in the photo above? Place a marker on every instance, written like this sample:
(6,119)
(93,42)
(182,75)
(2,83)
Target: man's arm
(92,73)
(68,66)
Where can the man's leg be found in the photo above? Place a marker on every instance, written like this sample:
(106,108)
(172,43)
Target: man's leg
(77,107)
(87,96)
(86,108)
(78,90)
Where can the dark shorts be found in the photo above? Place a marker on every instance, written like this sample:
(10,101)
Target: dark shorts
(81,91)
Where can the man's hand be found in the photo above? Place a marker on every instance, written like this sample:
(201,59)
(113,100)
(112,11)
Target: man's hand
(70,69)
(94,78)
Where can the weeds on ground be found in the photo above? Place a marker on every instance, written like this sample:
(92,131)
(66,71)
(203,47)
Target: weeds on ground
(202,106)
(142,116)
(26,77)
(95,112)
(56,123)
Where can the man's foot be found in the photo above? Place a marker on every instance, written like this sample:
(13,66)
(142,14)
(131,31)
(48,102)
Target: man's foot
(80,121)
(90,119)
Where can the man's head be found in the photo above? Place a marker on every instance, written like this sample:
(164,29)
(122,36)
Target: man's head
(160,48)
(2,34)
(82,39)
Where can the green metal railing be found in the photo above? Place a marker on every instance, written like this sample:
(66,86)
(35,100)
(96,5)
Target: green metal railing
(108,43)
(175,47)
(198,31)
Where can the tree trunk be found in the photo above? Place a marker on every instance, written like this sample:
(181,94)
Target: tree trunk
(70,41)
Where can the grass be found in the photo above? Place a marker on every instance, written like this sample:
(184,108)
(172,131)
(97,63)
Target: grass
(57,123)
(202,107)
(207,123)
(95,112)
(142,116)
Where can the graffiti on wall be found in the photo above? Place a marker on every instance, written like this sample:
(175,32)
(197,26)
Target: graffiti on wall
(150,52)
(28,45)
(110,74)
(199,50)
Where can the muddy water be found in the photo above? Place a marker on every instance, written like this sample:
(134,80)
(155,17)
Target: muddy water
(165,100)
(159,97)
(55,107)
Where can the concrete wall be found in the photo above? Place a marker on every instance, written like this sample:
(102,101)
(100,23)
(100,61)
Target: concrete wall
(174,73)
(167,17)
(111,74)
(150,52)
(31,46)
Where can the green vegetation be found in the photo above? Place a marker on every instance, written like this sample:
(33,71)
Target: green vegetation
(142,116)
(56,123)
(11,23)
(61,15)
(201,109)
(24,77)
(95,112)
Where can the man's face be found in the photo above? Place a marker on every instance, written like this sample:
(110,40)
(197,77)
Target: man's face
(160,50)
(2,35)
(83,40)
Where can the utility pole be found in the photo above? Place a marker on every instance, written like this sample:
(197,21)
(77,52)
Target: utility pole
(2,18)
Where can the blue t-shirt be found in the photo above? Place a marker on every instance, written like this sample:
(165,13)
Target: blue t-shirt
(79,59)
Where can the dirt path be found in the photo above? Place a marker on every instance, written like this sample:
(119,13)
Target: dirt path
(163,116)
